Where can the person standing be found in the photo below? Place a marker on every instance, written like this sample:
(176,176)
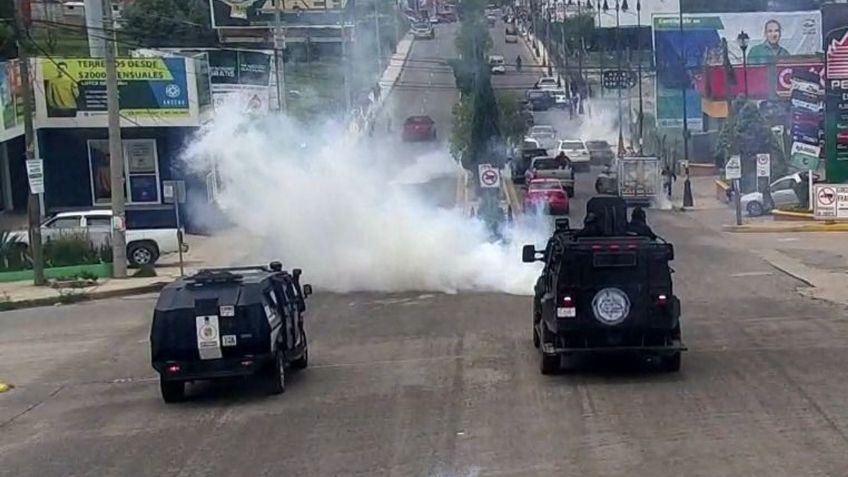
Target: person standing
(668,179)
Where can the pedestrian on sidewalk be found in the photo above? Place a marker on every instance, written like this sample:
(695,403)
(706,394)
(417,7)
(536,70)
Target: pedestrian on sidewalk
(377,92)
(668,179)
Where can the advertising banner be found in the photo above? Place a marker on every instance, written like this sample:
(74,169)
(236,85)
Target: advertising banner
(295,13)
(75,88)
(835,27)
(11,100)
(681,56)
(243,77)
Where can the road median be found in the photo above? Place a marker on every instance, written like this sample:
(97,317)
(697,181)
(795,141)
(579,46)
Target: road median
(18,296)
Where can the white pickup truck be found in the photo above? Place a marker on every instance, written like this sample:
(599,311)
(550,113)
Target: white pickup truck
(144,246)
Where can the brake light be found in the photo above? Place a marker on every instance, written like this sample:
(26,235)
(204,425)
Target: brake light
(662,299)
(632,246)
(566,308)
(174,368)
(614,247)
(596,248)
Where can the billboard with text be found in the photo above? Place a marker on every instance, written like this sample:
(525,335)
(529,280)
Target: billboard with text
(681,55)
(295,13)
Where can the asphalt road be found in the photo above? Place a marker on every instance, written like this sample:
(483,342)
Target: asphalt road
(421,384)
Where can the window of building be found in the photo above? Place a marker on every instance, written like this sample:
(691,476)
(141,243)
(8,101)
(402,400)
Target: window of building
(141,171)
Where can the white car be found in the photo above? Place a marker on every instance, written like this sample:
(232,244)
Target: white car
(547,83)
(782,195)
(497,63)
(560,98)
(423,31)
(144,246)
(576,151)
(545,135)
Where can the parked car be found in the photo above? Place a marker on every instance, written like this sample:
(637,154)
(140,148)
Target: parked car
(547,83)
(510,39)
(144,245)
(600,152)
(540,100)
(782,194)
(546,195)
(419,128)
(544,134)
(561,99)
(497,64)
(576,151)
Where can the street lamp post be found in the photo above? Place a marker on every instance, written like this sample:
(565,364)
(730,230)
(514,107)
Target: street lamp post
(618,67)
(601,50)
(742,40)
(548,39)
(684,87)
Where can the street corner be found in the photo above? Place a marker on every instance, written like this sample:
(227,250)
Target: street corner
(794,227)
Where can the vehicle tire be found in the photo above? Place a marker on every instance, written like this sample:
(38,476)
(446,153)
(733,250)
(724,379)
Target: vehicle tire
(548,363)
(537,343)
(142,253)
(276,375)
(755,209)
(172,391)
(303,361)
(671,364)
(570,192)
(598,187)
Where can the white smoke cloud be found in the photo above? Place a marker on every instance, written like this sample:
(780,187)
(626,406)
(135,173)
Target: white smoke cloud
(346,214)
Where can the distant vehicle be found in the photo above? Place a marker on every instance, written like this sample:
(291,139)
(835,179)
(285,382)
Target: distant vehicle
(546,195)
(600,152)
(520,165)
(423,31)
(547,83)
(419,128)
(510,29)
(546,135)
(546,167)
(510,39)
(604,290)
(231,322)
(540,100)
(447,16)
(576,150)
(491,20)
(497,64)
(144,245)
(561,99)
(638,178)
(434,20)
(782,194)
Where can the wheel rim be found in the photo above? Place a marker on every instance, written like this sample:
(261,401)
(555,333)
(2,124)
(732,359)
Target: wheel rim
(754,208)
(282,370)
(142,256)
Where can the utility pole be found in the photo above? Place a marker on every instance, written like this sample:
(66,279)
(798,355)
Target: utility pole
(33,204)
(94,25)
(116,153)
(345,68)
(377,34)
(279,61)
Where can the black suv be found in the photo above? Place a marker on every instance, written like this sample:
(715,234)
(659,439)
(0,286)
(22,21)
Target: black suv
(605,291)
(230,322)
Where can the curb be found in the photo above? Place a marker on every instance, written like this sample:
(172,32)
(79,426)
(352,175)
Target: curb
(788,213)
(94,295)
(806,227)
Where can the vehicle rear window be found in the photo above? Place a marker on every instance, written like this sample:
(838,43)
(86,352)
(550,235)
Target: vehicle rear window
(546,164)
(610,260)
(419,120)
(545,186)
(595,145)
(572,145)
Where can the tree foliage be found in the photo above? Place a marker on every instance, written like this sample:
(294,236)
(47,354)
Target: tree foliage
(163,23)
(7,39)
(747,134)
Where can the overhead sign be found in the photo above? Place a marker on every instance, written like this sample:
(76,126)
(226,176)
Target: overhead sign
(72,91)
(241,77)
(763,165)
(831,201)
(490,176)
(35,174)
(295,13)
(619,79)
(733,168)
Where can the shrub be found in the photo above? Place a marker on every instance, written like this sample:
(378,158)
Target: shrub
(69,249)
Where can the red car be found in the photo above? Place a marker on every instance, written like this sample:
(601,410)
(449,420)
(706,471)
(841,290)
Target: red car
(547,195)
(419,128)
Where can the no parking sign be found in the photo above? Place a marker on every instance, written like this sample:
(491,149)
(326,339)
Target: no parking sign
(490,176)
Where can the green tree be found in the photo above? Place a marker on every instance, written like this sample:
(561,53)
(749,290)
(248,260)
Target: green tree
(163,23)
(747,134)
(7,39)
(511,122)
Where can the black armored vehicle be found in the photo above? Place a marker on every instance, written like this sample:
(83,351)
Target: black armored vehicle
(604,290)
(230,322)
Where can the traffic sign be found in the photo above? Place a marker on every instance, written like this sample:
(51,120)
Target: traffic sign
(619,79)
(490,176)
(35,174)
(827,205)
(733,168)
(763,165)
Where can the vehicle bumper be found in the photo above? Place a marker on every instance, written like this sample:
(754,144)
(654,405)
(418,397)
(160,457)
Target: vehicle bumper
(247,365)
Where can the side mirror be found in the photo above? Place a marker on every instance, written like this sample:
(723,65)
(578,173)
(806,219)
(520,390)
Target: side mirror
(296,273)
(307,290)
(528,254)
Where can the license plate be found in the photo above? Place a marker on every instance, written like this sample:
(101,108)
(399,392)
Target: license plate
(228,340)
(566,312)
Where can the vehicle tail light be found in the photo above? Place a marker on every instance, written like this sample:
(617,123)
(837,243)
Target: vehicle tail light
(566,308)
(174,368)
(247,362)
(596,248)
(632,246)
(662,299)
(615,247)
